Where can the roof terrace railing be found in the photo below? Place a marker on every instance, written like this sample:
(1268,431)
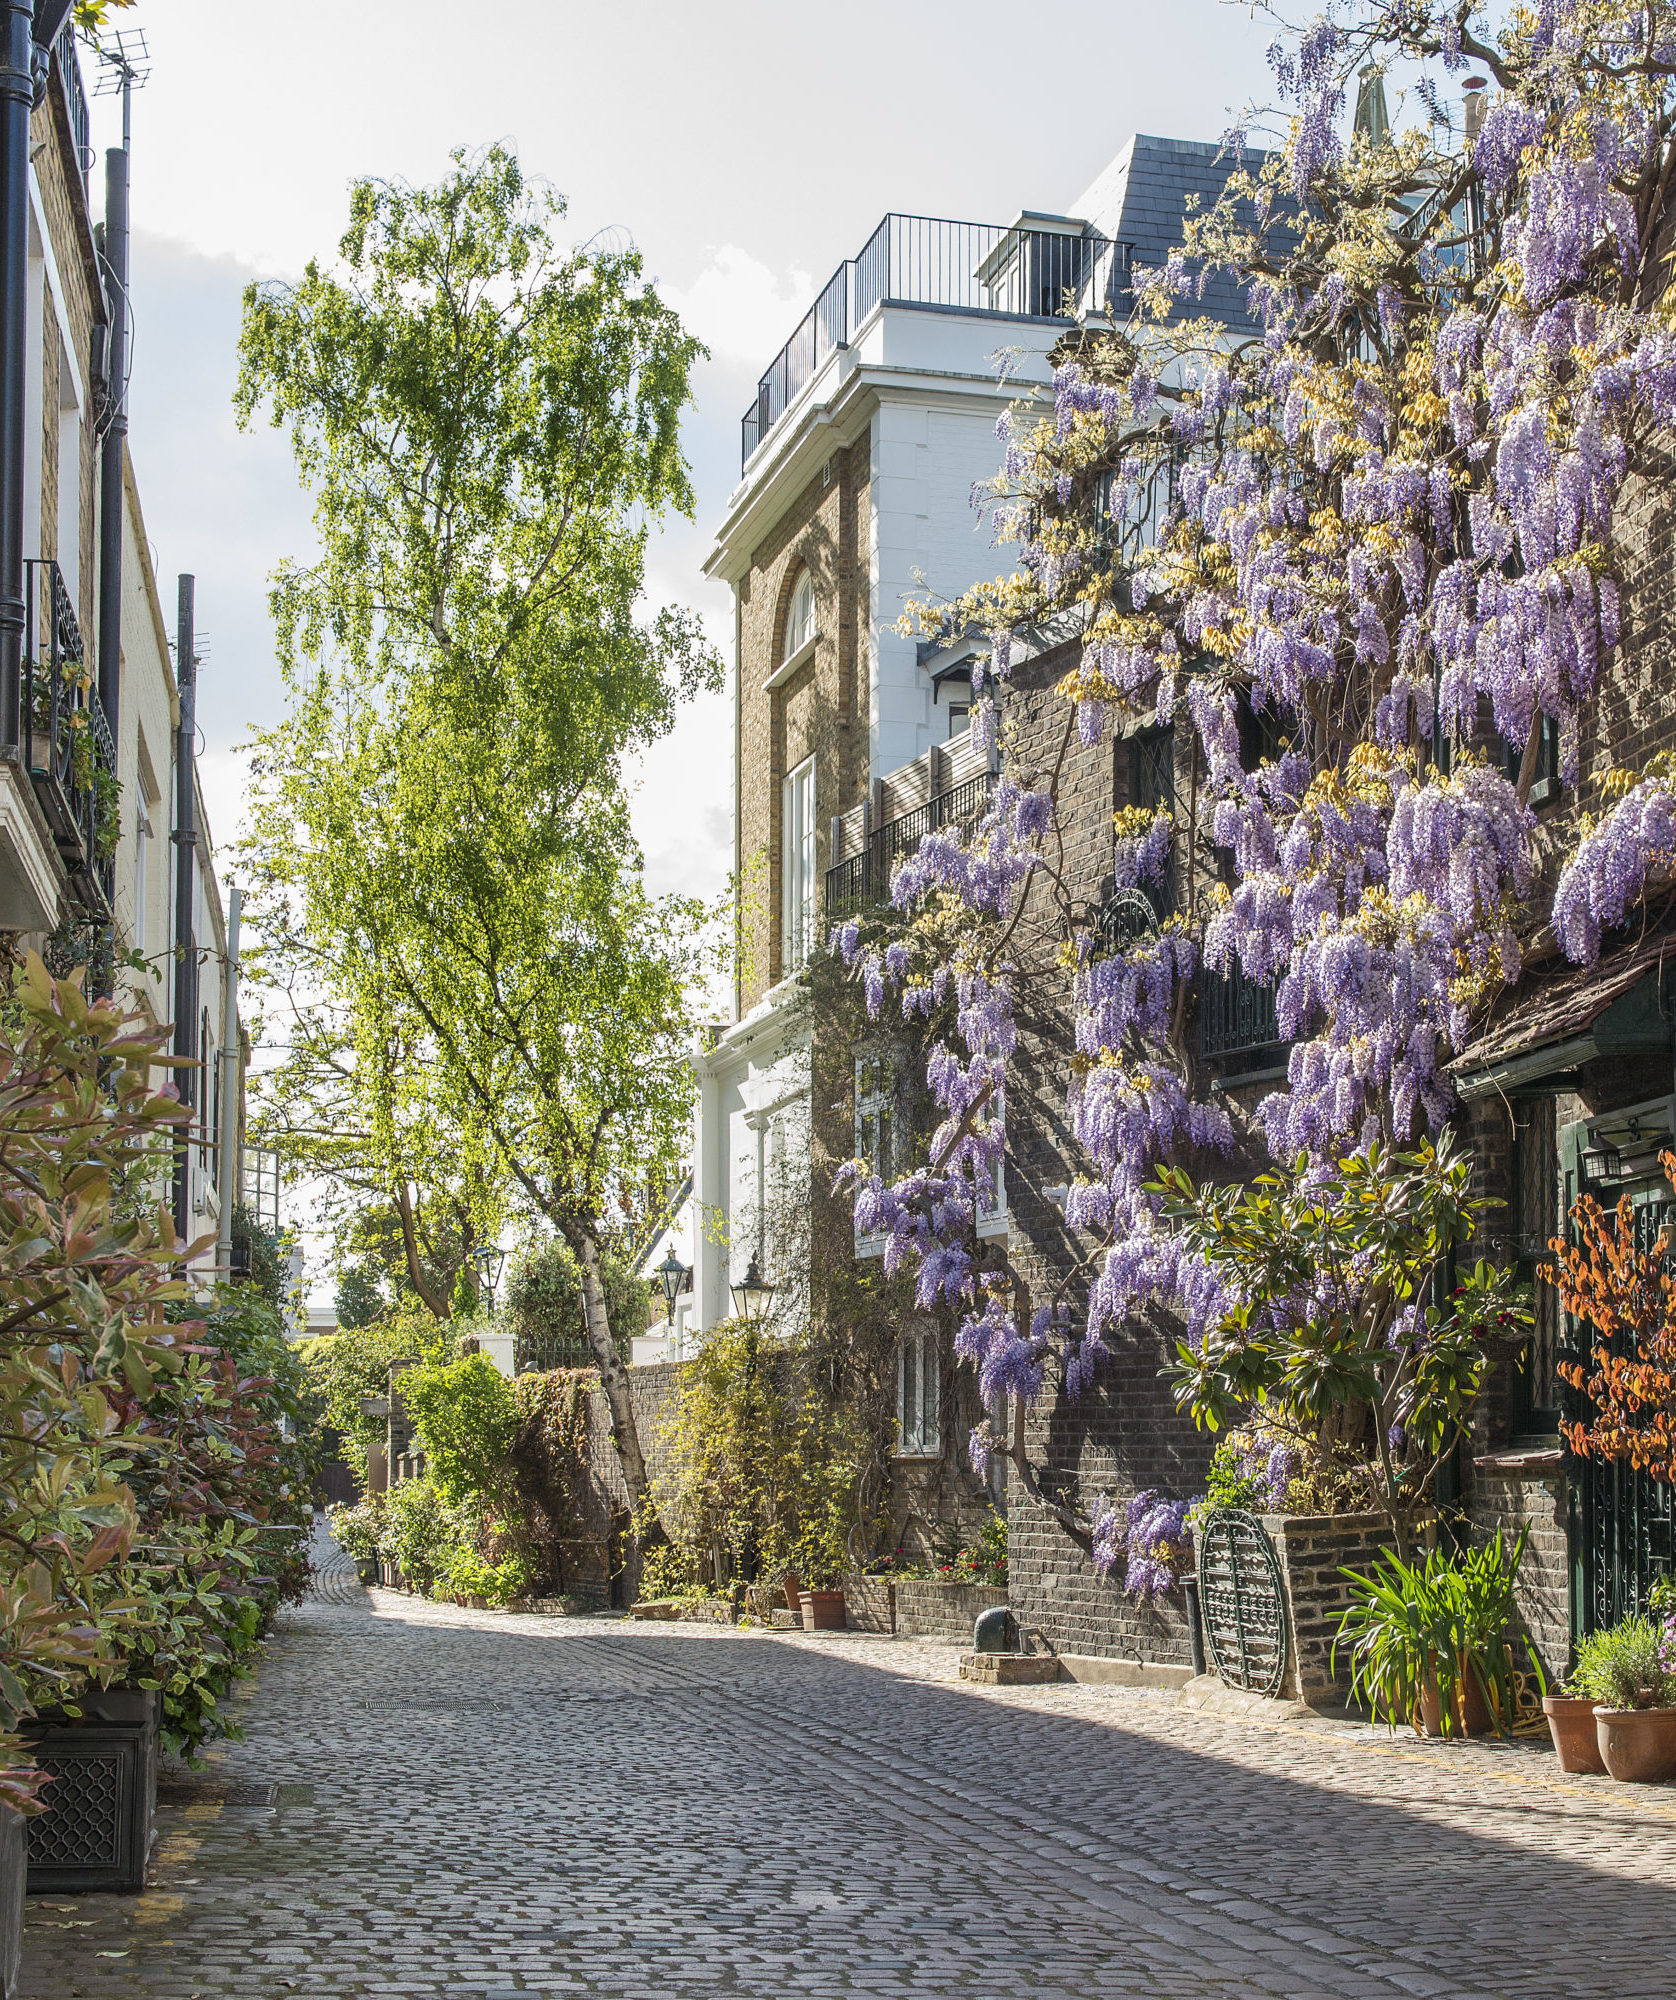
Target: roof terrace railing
(1010,271)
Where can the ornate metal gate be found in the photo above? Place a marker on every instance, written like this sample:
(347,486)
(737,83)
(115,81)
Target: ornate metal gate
(1622,1523)
(1243,1600)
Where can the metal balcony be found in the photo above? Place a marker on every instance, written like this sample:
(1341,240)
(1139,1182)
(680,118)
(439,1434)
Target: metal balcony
(1010,271)
(864,877)
(1237,1028)
(67,747)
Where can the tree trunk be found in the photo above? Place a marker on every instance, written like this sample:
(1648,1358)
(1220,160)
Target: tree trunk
(625,1433)
(438,1308)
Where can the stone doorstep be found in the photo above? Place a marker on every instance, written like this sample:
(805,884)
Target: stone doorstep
(1098,1671)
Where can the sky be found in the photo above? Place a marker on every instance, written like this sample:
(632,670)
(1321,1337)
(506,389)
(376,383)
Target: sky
(747,148)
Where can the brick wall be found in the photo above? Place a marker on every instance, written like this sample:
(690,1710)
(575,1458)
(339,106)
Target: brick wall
(1314,1552)
(821,711)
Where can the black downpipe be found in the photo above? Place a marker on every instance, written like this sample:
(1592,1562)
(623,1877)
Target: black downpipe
(186,873)
(17,98)
(116,434)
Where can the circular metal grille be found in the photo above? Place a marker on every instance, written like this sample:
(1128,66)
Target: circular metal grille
(1243,1601)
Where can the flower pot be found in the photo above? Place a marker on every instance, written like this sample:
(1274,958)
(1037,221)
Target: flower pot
(1571,1723)
(823,1611)
(794,1591)
(95,1833)
(1472,1715)
(1637,1745)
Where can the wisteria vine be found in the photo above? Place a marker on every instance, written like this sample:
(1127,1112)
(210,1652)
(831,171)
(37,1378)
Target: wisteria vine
(1389,538)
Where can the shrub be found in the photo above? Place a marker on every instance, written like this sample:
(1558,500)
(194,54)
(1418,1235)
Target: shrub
(348,1367)
(1628,1666)
(423,1536)
(467,1418)
(361,1530)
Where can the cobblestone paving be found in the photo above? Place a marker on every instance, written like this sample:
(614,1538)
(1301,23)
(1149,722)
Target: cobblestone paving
(505,1805)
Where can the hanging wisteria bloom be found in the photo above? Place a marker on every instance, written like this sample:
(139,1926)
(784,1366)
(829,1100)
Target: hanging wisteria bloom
(1364,559)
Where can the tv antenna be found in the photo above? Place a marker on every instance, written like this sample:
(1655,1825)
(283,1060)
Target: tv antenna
(124,64)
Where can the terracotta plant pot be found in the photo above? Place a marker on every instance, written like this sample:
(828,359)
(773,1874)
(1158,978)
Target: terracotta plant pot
(1637,1745)
(794,1591)
(1472,1712)
(1571,1723)
(823,1611)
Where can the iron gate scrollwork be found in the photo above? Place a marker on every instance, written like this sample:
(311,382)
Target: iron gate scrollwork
(1243,1601)
(1623,1522)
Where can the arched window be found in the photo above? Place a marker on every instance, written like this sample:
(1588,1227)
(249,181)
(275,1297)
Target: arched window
(800,620)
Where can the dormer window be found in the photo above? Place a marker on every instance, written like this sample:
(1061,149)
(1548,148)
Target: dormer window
(800,620)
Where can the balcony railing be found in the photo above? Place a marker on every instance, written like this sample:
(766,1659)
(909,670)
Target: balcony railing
(67,746)
(864,877)
(68,65)
(1237,1022)
(935,266)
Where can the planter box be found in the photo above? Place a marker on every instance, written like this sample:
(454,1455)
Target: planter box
(97,1828)
(823,1611)
(14,1873)
(1012,1669)
(1311,1552)
(684,1610)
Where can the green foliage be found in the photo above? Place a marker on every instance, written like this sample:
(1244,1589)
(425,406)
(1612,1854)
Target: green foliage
(469,1574)
(441,838)
(258,1251)
(85,1280)
(543,1303)
(1417,1628)
(359,1301)
(361,1530)
(424,1533)
(1627,1666)
(467,1419)
(759,1461)
(352,1366)
(1333,1277)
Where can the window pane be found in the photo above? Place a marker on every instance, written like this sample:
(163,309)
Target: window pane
(906,1414)
(929,1380)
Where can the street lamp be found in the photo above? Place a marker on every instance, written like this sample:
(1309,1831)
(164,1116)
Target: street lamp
(752,1294)
(672,1275)
(488,1257)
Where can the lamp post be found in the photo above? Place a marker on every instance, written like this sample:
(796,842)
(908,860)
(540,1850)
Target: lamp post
(488,1257)
(672,1275)
(752,1294)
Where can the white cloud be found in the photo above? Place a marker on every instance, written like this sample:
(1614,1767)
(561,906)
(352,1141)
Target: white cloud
(743,311)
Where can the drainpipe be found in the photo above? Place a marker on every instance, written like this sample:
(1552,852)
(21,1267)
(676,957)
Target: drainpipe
(226,1171)
(116,426)
(20,27)
(186,882)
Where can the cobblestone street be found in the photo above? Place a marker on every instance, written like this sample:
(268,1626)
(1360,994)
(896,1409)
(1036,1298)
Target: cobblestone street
(483,1805)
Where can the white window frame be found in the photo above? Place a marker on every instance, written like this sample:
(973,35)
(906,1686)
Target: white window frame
(919,1389)
(957,729)
(800,615)
(798,870)
(992,1218)
(877,1138)
(142,884)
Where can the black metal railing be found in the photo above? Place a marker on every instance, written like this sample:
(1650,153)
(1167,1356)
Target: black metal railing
(1237,1020)
(864,877)
(938,266)
(68,66)
(67,747)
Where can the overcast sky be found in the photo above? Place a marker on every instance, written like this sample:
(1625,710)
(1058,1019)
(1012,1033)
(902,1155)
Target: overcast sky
(747,147)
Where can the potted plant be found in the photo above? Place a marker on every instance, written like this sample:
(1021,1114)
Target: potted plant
(1429,1641)
(1629,1672)
(822,1558)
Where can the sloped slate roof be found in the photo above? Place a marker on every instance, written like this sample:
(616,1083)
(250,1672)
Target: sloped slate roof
(1565,1004)
(1141,199)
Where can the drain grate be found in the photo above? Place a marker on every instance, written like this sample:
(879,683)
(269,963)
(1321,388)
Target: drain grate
(230,1792)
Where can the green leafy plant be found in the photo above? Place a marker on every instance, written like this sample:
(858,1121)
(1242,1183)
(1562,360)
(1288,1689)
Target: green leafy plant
(1435,1628)
(361,1530)
(1629,1665)
(467,1419)
(1332,1333)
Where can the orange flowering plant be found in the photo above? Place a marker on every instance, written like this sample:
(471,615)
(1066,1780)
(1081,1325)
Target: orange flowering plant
(1624,1292)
